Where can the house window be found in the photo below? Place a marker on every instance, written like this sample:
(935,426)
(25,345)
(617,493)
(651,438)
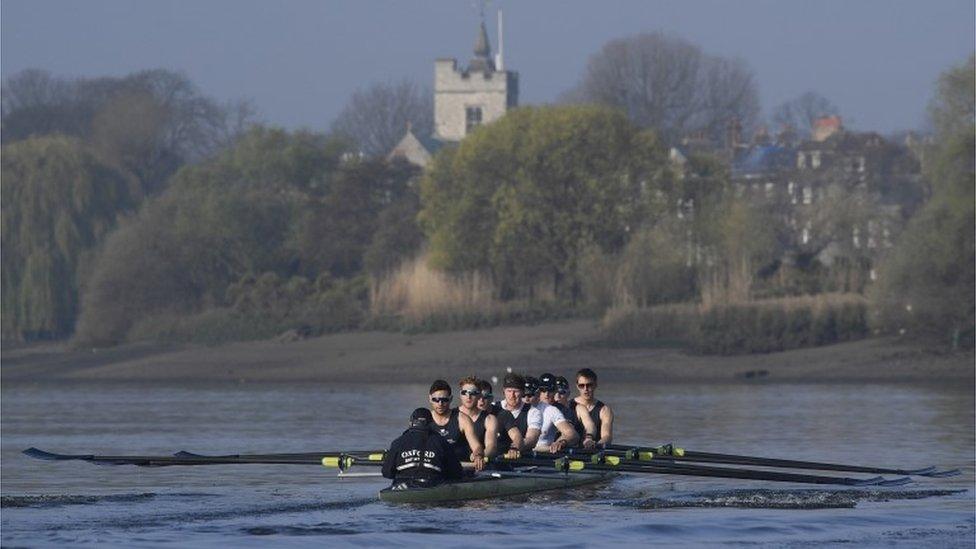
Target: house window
(769,190)
(807,195)
(801,161)
(472,118)
(856,237)
(805,237)
(815,159)
(861,164)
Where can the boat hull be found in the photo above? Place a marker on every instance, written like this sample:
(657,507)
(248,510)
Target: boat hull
(494,485)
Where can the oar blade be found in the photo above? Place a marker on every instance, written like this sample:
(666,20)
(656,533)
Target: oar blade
(37,453)
(942,474)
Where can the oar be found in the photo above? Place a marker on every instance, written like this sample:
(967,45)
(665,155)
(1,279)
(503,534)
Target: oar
(291,455)
(184,458)
(311,458)
(669,451)
(613,463)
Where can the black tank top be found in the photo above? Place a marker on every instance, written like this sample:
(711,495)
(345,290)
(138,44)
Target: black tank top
(506,420)
(479,427)
(594,415)
(451,432)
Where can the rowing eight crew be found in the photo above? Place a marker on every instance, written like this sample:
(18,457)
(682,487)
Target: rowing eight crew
(536,414)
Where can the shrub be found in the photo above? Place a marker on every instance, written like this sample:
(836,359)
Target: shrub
(750,327)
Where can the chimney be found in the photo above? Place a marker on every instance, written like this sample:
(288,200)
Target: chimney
(826,126)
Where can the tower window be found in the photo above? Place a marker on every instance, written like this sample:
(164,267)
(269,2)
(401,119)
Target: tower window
(472,116)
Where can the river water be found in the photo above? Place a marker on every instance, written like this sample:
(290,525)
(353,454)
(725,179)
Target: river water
(76,503)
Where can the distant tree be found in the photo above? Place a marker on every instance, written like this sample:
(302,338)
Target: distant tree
(376,117)
(800,112)
(218,221)
(952,109)
(670,85)
(523,197)
(337,231)
(59,201)
(925,285)
(148,123)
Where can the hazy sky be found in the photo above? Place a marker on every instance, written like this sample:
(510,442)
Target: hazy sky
(299,60)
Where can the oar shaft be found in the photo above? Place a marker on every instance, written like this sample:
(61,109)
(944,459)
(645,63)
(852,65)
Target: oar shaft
(699,471)
(734,459)
(185,458)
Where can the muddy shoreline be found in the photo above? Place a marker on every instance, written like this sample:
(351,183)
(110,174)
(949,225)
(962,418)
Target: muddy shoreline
(385,357)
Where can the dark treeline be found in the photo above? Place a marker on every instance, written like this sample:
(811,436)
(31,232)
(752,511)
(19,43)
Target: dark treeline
(136,208)
(77,154)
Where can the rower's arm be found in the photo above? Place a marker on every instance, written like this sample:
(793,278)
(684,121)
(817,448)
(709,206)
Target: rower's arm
(491,436)
(516,436)
(533,422)
(606,425)
(467,427)
(584,416)
(567,433)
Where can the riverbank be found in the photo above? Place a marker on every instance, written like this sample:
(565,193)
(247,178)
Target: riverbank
(385,357)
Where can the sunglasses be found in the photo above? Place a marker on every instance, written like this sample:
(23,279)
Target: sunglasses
(586,385)
(487,396)
(465,392)
(440,400)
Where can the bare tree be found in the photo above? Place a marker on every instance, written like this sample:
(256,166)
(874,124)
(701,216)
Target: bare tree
(148,123)
(376,117)
(799,113)
(669,84)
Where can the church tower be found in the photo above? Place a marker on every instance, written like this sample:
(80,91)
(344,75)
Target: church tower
(466,97)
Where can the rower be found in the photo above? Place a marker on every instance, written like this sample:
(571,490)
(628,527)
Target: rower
(455,427)
(547,391)
(555,433)
(485,401)
(420,458)
(561,396)
(515,416)
(485,423)
(592,418)
(495,409)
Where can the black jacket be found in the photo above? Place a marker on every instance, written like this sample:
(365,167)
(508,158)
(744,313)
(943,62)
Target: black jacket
(421,454)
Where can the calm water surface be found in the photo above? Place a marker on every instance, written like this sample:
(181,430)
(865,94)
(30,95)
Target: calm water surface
(75,503)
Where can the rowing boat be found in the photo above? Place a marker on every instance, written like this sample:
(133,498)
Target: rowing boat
(494,484)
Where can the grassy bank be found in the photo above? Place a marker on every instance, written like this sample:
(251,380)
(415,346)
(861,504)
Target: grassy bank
(749,327)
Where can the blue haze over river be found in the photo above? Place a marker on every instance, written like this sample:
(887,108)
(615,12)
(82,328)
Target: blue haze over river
(52,504)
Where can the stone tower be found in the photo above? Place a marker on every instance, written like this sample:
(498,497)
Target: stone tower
(480,93)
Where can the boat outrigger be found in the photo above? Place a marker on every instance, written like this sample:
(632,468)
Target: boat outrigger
(536,472)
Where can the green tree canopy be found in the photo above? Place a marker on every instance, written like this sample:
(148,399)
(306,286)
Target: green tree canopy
(59,201)
(523,197)
(278,205)
(925,285)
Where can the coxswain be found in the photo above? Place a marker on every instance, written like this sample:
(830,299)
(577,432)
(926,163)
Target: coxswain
(420,457)
(515,416)
(593,418)
(454,426)
(555,433)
